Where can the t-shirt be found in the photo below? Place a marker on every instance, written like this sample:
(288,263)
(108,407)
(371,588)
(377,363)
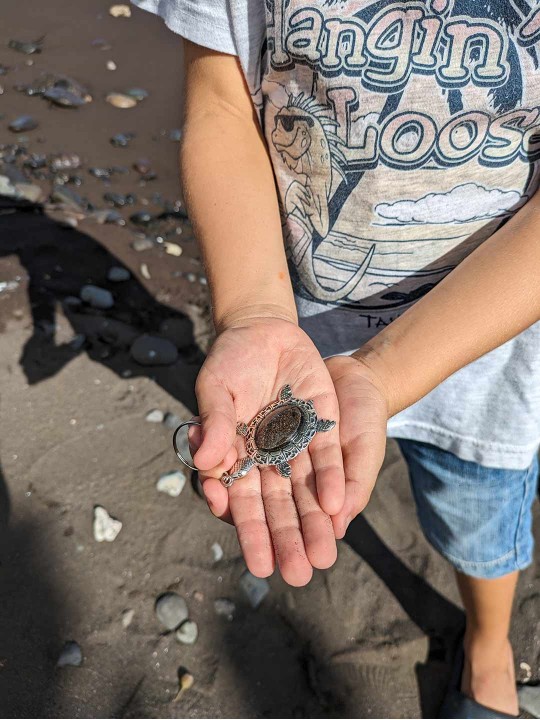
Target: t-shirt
(402,134)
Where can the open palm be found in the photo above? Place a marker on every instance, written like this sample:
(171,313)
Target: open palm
(278,519)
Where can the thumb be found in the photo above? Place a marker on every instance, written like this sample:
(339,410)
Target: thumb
(218,422)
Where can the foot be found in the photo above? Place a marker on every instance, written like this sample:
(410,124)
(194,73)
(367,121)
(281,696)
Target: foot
(488,675)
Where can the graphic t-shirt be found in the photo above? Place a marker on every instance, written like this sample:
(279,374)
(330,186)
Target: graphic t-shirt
(402,135)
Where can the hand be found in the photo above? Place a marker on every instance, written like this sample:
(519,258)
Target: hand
(276,518)
(363,410)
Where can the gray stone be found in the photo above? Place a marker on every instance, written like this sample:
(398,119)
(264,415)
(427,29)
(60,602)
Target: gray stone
(149,350)
(118,274)
(225,608)
(172,483)
(71,655)
(171,610)
(141,244)
(255,589)
(188,632)
(217,551)
(154,416)
(97,297)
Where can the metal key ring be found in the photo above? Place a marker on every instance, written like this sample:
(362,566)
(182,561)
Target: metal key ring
(175,444)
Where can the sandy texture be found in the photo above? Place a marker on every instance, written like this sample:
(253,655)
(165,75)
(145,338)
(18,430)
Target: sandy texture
(369,638)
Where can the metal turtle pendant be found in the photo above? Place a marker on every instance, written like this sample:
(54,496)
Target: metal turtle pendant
(277,434)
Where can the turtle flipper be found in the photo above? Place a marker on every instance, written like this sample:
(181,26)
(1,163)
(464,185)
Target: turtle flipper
(325,425)
(285,393)
(284,469)
(241,428)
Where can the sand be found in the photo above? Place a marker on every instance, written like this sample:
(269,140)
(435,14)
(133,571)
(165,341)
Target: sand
(368,638)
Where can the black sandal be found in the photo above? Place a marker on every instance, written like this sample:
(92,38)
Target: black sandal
(458,705)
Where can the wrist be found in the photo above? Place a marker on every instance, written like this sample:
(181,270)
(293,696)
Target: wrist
(373,355)
(248,313)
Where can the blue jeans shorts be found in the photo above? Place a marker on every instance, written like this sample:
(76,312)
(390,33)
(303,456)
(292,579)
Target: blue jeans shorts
(478,518)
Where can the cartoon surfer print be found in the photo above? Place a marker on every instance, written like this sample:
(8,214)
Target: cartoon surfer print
(402,134)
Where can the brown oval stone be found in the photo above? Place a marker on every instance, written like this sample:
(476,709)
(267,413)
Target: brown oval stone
(278,427)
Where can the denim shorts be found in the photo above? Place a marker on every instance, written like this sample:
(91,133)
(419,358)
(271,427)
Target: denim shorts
(478,518)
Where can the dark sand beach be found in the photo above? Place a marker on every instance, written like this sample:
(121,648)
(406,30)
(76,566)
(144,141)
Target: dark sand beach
(369,638)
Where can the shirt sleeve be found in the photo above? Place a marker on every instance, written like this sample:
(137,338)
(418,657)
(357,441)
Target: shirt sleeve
(205,22)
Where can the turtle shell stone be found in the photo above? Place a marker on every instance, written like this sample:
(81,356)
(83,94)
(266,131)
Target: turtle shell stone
(278,427)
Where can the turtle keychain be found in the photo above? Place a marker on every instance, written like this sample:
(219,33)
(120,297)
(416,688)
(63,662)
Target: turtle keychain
(277,434)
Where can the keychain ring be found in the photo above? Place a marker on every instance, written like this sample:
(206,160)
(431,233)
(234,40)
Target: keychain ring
(175,444)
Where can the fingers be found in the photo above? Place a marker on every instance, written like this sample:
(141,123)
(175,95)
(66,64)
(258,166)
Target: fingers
(216,495)
(327,458)
(218,417)
(285,528)
(319,539)
(249,517)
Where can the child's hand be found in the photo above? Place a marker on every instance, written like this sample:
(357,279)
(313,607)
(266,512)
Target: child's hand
(363,410)
(277,519)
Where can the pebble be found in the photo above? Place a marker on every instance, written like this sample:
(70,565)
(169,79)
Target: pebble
(217,551)
(175,135)
(29,192)
(120,11)
(6,188)
(154,416)
(23,123)
(97,297)
(63,97)
(127,617)
(106,528)
(225,608)
(137,93)
(142,218)
(526,669)
(118,274)
(172,249)
(141,244)
(119,100)
(149,350)
(107,216)
(188,632)
(71,655)
(119,199)
(171,610)
(145,272)
(255,589)
(122,139)
(172,483)
(111,65)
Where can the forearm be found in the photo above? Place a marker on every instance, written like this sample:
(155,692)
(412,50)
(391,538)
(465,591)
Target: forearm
(489,298)
(232,202)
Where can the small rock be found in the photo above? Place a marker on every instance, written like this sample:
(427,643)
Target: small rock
(188,632)
(137,93)
(217,551)
(172,483)
(6,188)
(175,135)
(149,350)
(154,416)
(77,342)
(172,249)
(32,193)
(103,217)
(171,610)
(255,589)
(71,655)
(127,617)
(145,272)
(225,608)
(142,244)
(106,528)
(142,218)
(122,139)
(28,48)
(119,100)
(118,274)
(71,301)
(97,297)
(120,11)
(111,65)
(119,199)
(142,166)
(526,669)
(23,123)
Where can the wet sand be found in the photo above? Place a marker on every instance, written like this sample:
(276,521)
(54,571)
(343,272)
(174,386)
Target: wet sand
(369,638)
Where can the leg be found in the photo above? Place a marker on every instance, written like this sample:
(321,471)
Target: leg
(488,674)
(480,520)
